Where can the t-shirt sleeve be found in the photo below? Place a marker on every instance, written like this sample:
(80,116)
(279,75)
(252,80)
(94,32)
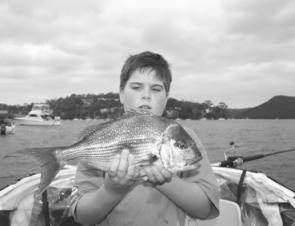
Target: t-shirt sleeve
(204,176)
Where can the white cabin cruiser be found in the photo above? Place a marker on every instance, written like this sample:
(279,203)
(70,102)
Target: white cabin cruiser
(40,115)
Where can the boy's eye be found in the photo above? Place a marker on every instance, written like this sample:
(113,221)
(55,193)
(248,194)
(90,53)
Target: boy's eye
(157,89)
(135,87)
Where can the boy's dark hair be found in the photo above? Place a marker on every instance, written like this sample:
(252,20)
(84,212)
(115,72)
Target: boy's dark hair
(146,61)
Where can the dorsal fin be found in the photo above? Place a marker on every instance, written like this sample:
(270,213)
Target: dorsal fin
(91,129)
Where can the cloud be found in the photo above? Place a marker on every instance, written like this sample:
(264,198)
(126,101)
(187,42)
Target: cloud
(271,21)
(240,52)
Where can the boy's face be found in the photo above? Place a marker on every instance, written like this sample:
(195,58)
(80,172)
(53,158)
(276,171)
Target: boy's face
(144,90)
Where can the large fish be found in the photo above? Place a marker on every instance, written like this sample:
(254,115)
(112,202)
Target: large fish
(148,137)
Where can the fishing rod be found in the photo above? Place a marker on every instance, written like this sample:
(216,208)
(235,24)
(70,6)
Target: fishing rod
(229,162)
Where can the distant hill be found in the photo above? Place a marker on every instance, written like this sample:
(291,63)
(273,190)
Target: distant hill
(280,107)
(108,106)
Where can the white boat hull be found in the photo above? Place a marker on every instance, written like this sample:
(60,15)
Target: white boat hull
(27,121)
(260,202)
(10,129)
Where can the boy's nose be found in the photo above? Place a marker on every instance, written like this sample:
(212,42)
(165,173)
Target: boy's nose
(146,94)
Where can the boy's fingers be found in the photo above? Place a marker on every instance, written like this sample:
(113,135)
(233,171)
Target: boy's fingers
(131,167)
(150,175)
(123,166)
(114,166)
(131,159)
(167,175)
(158,174)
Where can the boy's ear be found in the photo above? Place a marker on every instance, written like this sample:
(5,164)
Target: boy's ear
(167,97)
(121,97)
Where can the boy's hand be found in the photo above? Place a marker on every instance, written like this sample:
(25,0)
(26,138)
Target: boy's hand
(120,178)
(157,174)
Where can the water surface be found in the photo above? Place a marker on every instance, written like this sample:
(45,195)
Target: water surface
(253,137)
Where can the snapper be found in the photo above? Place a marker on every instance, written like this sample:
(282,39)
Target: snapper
(148,137)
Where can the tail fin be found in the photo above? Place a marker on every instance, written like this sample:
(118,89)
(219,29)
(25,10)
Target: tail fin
(48,160)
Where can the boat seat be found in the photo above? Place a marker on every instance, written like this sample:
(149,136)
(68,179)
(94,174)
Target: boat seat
(230,215)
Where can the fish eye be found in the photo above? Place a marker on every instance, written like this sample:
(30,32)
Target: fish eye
(64,194)
(180,145)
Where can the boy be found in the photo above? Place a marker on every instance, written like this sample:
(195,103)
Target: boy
(114,198)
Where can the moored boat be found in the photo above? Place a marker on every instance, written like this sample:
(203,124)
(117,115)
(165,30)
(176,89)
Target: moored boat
(7,128)
(262,200)
(40,115)
(7,125)
(10,127)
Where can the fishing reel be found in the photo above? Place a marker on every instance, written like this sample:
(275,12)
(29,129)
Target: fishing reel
(232,162)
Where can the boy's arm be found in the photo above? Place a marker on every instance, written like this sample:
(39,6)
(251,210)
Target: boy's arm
(93,206)
(197,193)
(188,196)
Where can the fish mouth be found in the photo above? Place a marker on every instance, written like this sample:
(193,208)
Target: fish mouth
(192,165)
(194,162)
(185,167)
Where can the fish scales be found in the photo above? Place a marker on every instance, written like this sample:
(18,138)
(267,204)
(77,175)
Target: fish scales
(141,151)
(124,138)
(100,145)
(101,150)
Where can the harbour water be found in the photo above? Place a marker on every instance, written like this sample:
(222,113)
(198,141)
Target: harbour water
(252,136)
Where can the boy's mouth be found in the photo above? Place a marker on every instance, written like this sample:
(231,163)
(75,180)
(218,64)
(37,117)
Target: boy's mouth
(145,107)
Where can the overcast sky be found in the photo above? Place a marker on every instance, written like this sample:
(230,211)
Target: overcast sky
(238,52)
